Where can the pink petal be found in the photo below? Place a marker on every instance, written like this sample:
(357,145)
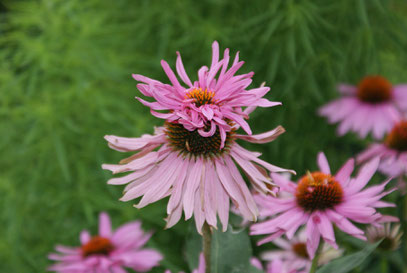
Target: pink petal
(105,226)
(323,163)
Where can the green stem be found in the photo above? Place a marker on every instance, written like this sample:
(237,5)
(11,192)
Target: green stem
(314,265)
(206,242)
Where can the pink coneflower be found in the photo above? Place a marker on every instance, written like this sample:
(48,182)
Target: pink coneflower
(195,163)
(201,266)
(294,252)
(392,152)
(372,106)
(320,200)
(107,252)
(279,266)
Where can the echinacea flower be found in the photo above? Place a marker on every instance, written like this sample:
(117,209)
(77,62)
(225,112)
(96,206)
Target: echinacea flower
(201,266)
(193,157)
(109,251)
(390,236)
(275,266)
(372,106)
(392,152)
(279,266)
(294,252)
(320,200)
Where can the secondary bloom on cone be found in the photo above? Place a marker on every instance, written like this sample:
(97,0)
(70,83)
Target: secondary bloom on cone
(392,152)
(320,200)
(390,236)
(294,252)
(109,251)
(201,266)
(192,158)
(372,106)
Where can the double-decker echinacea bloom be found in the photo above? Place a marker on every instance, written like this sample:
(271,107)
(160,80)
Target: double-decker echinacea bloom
(374,105)
(109,251)
(320,200)
(192,157)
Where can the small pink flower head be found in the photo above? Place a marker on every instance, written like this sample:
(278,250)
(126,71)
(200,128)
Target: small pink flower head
(193,158)
(392,152)
(279,266)
(201,266)
(294,252)
(372,106)
(210,105)
(109,251)
(320,200)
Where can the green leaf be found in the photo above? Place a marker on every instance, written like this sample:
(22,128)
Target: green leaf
(231,251)
(349,262)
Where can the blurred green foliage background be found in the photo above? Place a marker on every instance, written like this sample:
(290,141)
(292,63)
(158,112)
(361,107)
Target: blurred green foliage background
(65,82)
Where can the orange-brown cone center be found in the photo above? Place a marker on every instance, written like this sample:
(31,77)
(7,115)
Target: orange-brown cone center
(97,245)
(300,249)
(318,191)
(397,138)
(374,89)
(201,97)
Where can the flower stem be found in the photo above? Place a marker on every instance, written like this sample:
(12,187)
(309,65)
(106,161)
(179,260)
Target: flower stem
(206,243)
(314,264)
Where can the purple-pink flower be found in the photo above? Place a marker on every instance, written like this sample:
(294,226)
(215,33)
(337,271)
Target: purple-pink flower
(320,200)
(372,106)
(392,152)
(276,266)
(109,251)
(192,158)
(294,252)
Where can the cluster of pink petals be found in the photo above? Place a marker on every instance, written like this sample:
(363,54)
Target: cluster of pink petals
(197,186)
(393,162)
(358,205)
(127,240)
(201,266)
(287,253)
(276,266)
(363,117)
(229,90)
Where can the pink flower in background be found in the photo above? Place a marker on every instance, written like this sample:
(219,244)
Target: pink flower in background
(109,251)
(294,252)
(279,266)
(320,200)
(201,266)
(392,152)
(372,106)
(192,158)
(275,266)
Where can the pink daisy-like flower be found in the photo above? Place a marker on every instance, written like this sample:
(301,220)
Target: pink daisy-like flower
(372,106)
(110,251)
(201,266)
(294,252)
(275,266)
(193,157)
(392,152)
(320,200)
